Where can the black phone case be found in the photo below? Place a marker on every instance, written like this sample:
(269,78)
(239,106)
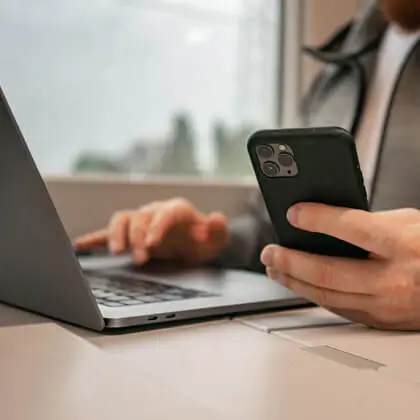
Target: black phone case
(328,172)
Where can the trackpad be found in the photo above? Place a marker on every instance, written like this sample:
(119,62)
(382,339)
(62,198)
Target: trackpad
(106,262)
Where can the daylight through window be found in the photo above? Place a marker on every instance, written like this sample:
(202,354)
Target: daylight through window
(145,87)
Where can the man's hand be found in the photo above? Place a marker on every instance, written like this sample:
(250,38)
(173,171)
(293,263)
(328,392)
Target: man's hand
(381,292)
(172,230)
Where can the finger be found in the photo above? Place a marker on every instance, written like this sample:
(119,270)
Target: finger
(218,232)
(205,240)
(339,274)
(118,231)
(323,297)
(214,229)
(360,228)
(138,229)
(214,239)
(173,214)
(91,240)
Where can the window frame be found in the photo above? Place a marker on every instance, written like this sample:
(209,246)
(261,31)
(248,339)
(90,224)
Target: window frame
(290,65)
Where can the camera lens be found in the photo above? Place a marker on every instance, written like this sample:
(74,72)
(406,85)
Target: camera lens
(266,152)
(271,169)
(285,160)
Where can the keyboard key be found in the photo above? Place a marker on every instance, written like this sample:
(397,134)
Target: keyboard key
(100,294)
(122,298)
(151,299)
(112,304)
(118,290)
(204,294)
(168,296)
(116,298)
(131,302)
(179,293)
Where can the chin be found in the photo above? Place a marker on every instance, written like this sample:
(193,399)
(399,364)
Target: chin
(405,13)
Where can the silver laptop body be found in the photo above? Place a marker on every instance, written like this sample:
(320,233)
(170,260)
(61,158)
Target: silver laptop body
(40,272)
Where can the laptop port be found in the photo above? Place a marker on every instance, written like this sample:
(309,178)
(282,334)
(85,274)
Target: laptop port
(170,316)
(152,318)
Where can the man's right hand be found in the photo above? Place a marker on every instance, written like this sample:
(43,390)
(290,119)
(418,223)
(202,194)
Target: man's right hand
(171,230)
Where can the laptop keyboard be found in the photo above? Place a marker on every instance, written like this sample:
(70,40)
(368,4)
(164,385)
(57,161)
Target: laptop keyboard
(115,290)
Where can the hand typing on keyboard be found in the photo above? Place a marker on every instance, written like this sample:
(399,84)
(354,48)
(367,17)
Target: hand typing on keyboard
(172,230)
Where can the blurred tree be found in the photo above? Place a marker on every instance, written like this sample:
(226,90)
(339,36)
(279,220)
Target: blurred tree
(240,139)
(232,159)
(179,158)
(91,162)
(223,146)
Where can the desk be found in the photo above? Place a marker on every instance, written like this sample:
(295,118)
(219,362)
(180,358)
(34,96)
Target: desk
(396,352)
(230,369)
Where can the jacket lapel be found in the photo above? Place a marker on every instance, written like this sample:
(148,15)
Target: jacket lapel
(338,93)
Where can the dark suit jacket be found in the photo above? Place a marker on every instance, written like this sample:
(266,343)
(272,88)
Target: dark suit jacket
(336,98)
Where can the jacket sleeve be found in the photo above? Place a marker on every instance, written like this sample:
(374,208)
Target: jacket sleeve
(249,234)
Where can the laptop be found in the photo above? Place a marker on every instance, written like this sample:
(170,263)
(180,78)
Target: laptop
(40,272)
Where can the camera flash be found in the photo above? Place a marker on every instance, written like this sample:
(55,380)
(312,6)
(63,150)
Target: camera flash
(282,148)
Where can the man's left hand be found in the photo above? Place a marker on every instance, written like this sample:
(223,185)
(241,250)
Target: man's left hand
(382,291)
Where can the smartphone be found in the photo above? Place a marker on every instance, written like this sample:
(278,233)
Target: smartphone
(318,165)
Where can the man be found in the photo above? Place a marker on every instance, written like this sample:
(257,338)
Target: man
(383,291)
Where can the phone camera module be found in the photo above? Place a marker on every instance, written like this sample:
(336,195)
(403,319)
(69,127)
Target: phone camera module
(271,169)
(286,160)
(265,152)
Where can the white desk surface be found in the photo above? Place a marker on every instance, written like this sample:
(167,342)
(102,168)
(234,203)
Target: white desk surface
(219,370)
(397,352)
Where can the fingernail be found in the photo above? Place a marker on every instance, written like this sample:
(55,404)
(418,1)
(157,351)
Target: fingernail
(293,213)
(267,257)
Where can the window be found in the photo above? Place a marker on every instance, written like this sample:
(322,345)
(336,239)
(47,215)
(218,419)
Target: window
(144,87)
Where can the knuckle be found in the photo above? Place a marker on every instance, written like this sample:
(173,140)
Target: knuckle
(282,261)
(180,202)
(325,274)
(349,217)
(408,243)
(361,234)
(399,287)
(119,216)
(145,207)
(366,236)
(384,238)
(141,213)
(136,229)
